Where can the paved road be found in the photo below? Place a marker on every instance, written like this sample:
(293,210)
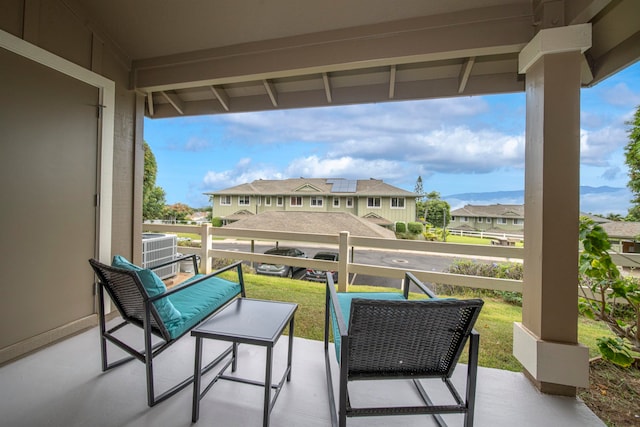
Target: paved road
(397,259)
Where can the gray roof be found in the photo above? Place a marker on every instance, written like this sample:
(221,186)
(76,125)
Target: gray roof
(622,229)
(491,211)
(313,222)
(315,186)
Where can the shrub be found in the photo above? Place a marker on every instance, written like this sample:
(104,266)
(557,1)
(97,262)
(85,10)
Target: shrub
(508,270)
(415,227)
(401,227)
(216,222)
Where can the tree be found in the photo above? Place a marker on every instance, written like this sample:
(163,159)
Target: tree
(153,197)
(632,159)
(437,211)
(177,212)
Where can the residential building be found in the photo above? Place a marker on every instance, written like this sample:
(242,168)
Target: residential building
(372,199)
(494,218)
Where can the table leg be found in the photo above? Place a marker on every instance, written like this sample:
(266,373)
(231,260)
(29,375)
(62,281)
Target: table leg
(197,376)
(290,348)
(267,388)
(234,354)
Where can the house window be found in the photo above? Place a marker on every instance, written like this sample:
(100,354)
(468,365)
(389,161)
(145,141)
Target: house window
(480,220)
(349,202)
(517,221)
(336,202)
(295,201)
(453,218)
(502,220)
(488,220)
(373,202)
(316,201)
(225,200)
(464,219)
(244,200)
(279,201)
(259,200)
(267,200)
(397,203)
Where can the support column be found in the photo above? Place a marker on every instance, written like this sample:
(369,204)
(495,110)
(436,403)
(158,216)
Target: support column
(546,342)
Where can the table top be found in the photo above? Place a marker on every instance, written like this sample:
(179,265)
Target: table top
(249,321)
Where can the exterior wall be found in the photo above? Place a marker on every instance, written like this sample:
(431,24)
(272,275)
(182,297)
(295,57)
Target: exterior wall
(488,223)
(257,205)
(50,25)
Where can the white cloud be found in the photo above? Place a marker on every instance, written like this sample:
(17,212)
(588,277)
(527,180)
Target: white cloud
(243,171)
(596,146)
(344,167)
(621,95)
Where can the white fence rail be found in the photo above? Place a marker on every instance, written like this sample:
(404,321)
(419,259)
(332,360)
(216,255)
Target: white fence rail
(345,245)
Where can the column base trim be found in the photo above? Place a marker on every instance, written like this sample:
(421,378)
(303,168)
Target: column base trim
(551,364)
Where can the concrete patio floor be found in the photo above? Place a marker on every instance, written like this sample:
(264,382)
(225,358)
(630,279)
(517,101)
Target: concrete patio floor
(63,386)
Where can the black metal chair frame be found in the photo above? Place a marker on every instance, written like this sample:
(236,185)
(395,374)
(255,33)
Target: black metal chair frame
(136,307)
(466,406)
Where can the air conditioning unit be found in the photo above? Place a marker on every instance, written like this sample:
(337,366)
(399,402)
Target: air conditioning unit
(158,248)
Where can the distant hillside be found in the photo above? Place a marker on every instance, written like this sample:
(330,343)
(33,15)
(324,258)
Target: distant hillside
(519,194)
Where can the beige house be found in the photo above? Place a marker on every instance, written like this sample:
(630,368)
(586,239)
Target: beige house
(372,199)
(494,218)
(79,78)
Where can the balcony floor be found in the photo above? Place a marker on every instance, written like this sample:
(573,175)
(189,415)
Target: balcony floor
(63,386)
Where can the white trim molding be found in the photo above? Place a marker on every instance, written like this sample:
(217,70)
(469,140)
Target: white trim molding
(554,40)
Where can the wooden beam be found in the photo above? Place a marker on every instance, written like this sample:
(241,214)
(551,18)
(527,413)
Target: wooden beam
(271,91)
(150,103)
(465,72)
(222,96)
(392,82)
(175,101)
(327,87)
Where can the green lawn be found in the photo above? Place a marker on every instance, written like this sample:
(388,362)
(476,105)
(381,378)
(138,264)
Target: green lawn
(495,323)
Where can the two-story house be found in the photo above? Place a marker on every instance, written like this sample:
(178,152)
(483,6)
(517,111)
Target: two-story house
(502,218)
(366,198)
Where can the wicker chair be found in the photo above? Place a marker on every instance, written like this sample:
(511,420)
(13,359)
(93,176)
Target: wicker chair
(389,337)
(167,314)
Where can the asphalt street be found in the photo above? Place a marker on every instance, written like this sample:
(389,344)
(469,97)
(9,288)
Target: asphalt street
(398,259)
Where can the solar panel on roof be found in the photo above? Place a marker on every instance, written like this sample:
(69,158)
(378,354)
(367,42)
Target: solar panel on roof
(343,185)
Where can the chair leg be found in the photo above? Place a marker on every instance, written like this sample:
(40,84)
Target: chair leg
(472,375)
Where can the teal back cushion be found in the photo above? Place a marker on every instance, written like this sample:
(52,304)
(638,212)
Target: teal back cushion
(344,300)
(153,285)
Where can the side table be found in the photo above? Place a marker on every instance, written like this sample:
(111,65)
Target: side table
(245,321)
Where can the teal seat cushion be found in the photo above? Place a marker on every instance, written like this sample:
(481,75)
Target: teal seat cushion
(199,301)
(153,285)
(344,300)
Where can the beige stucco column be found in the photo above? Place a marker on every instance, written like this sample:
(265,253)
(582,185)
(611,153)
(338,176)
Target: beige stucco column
(546,342)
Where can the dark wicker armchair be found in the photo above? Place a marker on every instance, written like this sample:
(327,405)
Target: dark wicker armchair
(142,300)
(380,336)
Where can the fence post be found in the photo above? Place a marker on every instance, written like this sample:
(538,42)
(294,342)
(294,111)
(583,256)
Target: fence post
(205,246)
(343,262)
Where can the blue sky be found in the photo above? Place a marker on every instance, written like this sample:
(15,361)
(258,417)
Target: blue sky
(457,145)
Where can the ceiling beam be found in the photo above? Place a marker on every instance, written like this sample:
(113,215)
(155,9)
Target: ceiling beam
(488,31)
(222,96)
(175,101)
(392,82)
(327,87)
(150,103)
(465,72)
(271,91)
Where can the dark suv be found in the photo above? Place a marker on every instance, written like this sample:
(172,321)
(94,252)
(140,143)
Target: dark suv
(320,275)
(280,269)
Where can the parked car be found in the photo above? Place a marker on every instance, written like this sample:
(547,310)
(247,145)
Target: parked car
(321,275)
(280,269)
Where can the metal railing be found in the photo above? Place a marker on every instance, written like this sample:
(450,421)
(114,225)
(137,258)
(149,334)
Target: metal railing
(346,245)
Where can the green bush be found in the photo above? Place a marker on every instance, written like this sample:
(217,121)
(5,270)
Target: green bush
(507,270)
(216,222)
(401,227)
(415,227)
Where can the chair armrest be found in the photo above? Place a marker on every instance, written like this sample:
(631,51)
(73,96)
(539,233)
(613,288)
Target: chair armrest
(332,301)
(237,265)
(408,279)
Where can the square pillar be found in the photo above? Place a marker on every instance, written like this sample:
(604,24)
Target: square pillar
(546,340)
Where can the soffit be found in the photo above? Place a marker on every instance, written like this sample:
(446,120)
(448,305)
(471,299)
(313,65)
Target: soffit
(211,57)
